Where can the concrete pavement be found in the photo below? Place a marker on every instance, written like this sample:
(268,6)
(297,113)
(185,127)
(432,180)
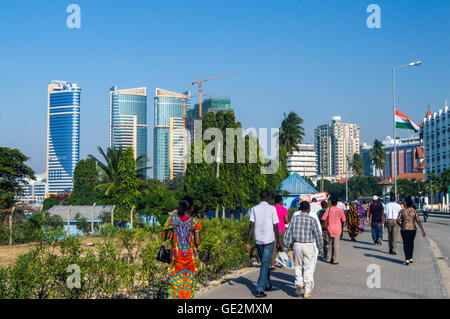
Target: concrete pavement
(422,279)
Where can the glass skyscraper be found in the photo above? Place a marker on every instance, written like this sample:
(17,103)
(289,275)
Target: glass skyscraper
(128,121)
(169,134)
(63,135)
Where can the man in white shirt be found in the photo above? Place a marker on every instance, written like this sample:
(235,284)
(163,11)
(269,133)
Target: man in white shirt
(392,209)
(264,223)
(315,206)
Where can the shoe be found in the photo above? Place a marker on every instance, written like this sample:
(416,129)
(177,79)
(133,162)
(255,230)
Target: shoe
(394,253)
(353,239)
(410,261)
(261,294)
(298,291)
(268,288)
(406,263)
(307,296)
(335,263)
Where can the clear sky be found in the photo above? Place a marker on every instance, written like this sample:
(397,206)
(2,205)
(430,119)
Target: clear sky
(317,58)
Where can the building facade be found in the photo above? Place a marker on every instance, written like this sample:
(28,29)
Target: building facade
(169,144)
(128,122)
(410,156)
(365,151)
(436,141)
(304,161)
(34,191)
(335,142)
(63,135)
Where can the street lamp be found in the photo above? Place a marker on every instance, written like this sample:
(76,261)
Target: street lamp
(394,164)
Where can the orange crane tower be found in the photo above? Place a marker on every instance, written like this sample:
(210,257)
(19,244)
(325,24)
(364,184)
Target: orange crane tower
(200,88)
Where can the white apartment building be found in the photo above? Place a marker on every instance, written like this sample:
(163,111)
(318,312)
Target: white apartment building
(436,141)
(34,191)
(304,161)
(335,142)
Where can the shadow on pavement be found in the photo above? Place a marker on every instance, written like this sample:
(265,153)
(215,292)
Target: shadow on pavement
(397,261)
(372,249)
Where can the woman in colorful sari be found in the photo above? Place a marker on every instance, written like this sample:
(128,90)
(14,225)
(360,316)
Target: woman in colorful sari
(362,216)
(183,230)
(353,221)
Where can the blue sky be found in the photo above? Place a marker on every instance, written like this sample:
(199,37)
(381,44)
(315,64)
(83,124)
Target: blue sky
(317,58)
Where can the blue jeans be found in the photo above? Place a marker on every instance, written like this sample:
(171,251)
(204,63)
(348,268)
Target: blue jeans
(377,232)
(265,253)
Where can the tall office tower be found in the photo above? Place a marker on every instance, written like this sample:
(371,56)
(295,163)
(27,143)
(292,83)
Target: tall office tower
(208,105)
(128,122)
(366,150)
(169,145)
(335,143)
(63,135)
(304,161)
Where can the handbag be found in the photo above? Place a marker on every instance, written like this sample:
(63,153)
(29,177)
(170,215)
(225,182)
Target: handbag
(164,255)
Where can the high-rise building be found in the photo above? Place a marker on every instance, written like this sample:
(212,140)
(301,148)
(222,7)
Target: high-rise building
(209,105)
(410,156)
(63,135)
(169,144)
(436,141)
(128,121)
(34,191)
(365,151)
(335,143)
(304,161)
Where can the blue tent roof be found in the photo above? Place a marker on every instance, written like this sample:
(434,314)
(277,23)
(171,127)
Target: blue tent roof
(296,185)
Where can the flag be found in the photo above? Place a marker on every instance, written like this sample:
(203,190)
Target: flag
(390,180)
(403,121)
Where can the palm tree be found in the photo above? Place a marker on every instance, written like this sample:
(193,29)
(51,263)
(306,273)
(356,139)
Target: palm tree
(110,167)
(357,164)
(378,155)
(291,132)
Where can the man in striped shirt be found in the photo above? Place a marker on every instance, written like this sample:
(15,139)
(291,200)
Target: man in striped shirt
(303,231)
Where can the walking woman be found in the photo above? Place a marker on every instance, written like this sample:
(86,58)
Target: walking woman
(334,217)
(183,230)
(353,221)
(407,219)
(362,216)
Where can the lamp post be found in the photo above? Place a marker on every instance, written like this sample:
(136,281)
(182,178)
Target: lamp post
(394,164)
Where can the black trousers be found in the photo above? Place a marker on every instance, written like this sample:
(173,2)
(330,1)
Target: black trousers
(408,242)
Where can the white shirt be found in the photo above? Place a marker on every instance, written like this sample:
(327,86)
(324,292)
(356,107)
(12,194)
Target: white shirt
(264,216)
(315,207)
(392,209)
(341,205)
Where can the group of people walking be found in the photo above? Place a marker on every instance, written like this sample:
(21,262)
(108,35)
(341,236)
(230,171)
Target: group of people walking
(314,230)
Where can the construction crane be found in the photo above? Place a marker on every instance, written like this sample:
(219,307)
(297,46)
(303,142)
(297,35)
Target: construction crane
(200,88)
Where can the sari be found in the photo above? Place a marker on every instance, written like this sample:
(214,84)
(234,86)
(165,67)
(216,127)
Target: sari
(353,221)
(184,266)
(362,215)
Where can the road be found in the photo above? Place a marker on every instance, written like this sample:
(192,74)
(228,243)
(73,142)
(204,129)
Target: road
(438,229)
(420,280)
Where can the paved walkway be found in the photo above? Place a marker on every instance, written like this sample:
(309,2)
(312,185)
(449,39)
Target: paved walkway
(422,279)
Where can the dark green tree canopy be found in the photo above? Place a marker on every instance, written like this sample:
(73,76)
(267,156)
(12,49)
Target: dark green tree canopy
(291,132)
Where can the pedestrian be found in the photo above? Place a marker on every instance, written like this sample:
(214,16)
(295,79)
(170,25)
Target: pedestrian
(407,219)
(342,206)
(392,211)
(376,221)
(264,224)
(283,217)
(353,221)
(319,225)
(325,234)
(334,217)
(183,230)
(362,217)
(304,232)
(315,206)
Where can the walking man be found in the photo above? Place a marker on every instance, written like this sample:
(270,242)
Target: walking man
(264,223)
(334,217)
(392,209)
(283,217)
(303,231)
(376,221)
(315,207)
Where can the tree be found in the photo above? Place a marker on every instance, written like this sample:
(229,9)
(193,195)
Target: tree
(357,164)
(125,193)
(410,188)
(13,171)
(110,168)
(291,132)
(378,155)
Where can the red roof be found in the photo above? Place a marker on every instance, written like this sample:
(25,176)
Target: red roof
(420,153)
(342,180)
(408,176)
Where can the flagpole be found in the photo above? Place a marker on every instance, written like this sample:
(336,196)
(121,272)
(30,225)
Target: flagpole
(394,164)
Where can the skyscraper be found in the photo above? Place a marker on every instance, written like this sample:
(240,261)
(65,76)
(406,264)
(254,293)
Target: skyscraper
(128,121)
(335,143)
(63,135)
(169,134)
(304,161)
